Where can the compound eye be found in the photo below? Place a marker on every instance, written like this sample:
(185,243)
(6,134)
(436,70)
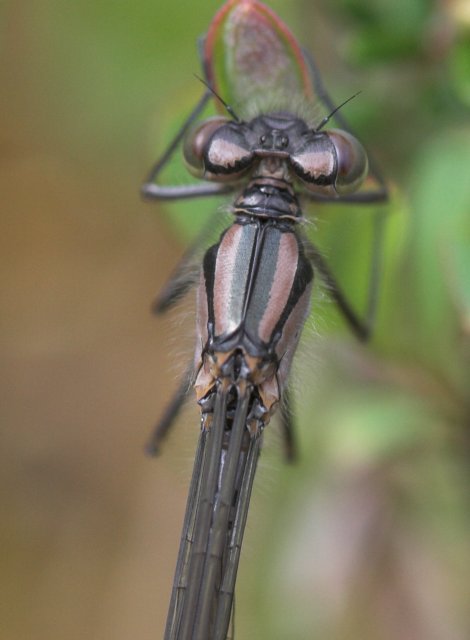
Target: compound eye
(196,142)
(228,153)
(352,162)
(314,161)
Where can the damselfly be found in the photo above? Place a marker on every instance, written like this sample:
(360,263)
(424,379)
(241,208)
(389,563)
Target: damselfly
(254,283)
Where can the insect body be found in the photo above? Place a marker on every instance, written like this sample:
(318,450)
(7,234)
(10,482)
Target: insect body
(253,299)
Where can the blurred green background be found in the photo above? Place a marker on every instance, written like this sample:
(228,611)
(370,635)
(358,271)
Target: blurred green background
(367,537)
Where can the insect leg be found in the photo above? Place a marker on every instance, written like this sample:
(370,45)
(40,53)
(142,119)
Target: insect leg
(166,421)
(360,327)
(375,267)
(381,193)
(186,273)
(288,426)
(151,190)
(364,197)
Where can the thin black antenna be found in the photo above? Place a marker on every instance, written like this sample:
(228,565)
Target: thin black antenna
(227,106)
(328,117)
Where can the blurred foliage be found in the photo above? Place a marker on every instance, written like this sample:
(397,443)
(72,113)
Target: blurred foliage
(367,536)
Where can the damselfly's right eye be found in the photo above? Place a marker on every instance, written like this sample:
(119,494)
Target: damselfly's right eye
(351,159)
(331,162)
(196,141)
(219,150)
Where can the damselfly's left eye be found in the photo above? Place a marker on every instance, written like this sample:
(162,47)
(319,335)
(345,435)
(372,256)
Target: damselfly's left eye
(228,153)
(196,141)
(217,149)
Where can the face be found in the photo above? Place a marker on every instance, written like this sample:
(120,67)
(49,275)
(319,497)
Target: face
(331,162)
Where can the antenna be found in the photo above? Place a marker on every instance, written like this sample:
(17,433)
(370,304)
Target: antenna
(220,99)
(328,117)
